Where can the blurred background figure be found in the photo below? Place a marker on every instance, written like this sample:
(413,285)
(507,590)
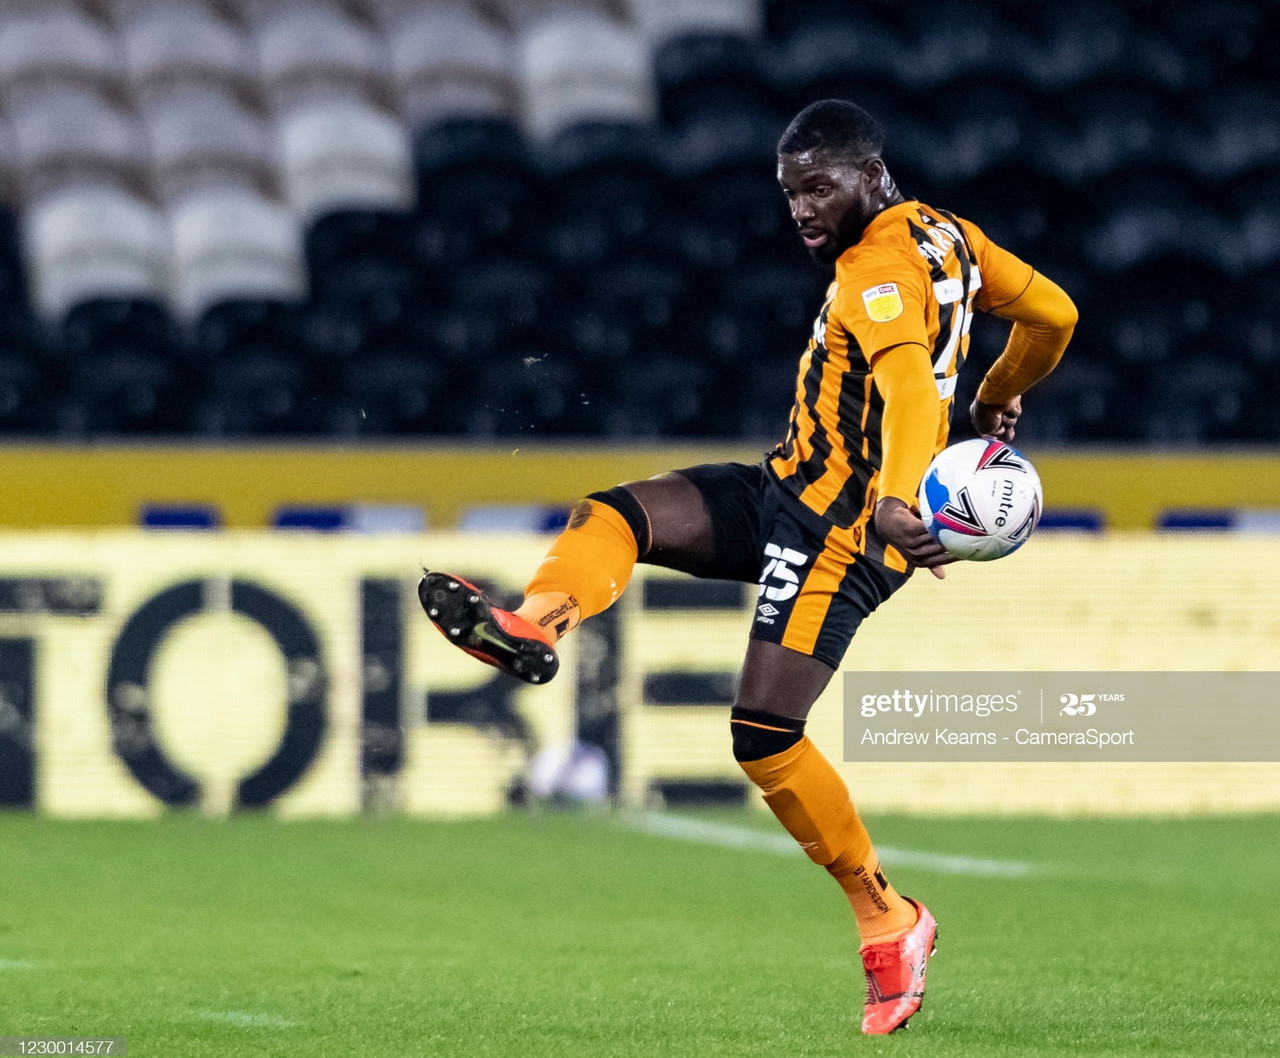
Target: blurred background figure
(497,217)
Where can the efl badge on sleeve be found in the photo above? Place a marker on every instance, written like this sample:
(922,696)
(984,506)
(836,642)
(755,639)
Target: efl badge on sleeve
(884,303)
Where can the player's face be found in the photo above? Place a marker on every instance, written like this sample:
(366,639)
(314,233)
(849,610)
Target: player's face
(831,199)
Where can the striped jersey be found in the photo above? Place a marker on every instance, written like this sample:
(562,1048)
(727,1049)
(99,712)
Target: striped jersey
(915,277)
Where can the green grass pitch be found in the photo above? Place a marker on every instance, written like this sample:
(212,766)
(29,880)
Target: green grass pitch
(570,935)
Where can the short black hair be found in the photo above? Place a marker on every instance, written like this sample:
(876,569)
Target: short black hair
(836,126)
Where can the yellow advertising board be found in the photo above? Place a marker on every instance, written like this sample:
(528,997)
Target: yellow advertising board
(109,484)
(294,673)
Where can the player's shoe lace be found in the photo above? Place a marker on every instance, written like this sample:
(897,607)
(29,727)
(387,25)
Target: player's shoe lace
(469,620)
(895,973)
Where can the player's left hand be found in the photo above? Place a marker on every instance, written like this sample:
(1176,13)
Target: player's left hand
(902,527)
(996,420)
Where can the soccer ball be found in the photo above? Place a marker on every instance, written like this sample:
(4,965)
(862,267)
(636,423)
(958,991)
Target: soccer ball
(981,499)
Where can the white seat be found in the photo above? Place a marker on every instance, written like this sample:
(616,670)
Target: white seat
(312,52)
(178,46)
(449,61)
(660,20)
(89,242)
(230,243)
(584,67)
(72,136)
(201,139)
(521,14)
(345,154)
(56,45)
(8,172)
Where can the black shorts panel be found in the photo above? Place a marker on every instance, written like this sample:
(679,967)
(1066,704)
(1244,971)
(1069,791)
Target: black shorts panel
(816,582)
(734,494)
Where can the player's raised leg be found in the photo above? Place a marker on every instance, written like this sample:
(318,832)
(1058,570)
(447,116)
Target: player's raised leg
(663,520)
(812,802)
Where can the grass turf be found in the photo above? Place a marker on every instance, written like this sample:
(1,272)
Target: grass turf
(573,936)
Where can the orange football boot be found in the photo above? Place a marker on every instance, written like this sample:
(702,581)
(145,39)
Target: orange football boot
(895,975)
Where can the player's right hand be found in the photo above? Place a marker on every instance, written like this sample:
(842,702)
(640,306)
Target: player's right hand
(903,528)
(996,420)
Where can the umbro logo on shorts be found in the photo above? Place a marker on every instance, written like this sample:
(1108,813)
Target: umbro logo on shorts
(766,612)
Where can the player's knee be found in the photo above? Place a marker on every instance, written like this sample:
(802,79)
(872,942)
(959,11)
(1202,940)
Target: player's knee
(621,500)
(757,734)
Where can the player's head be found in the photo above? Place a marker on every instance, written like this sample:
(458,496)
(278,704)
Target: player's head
(830,169)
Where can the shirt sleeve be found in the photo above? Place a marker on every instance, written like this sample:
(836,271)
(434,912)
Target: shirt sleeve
(882,306)
(1004,275)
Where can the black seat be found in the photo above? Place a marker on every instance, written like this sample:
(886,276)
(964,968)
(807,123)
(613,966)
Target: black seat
(26,401)
(102,323)
(608,196)
(397,393)
(478,186)
(663,395)
(258,393)
(237,324)
(1201,399)
(531,395)
(125,391)
(699,71)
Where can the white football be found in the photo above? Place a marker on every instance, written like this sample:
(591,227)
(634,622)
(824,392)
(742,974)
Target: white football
(981,499)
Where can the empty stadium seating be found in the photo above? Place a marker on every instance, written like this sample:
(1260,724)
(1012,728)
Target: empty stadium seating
(360,218)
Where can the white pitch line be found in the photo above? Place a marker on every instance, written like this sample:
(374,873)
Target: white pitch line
(246,1018)
(16,964)
(681,828)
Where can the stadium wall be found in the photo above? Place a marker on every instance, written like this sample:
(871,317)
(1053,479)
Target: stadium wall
(109,484)
(294,673)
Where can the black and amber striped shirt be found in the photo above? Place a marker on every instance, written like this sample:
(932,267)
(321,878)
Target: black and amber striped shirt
(915,277)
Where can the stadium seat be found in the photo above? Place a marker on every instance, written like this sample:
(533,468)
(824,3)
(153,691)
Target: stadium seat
(754,402)
(951,41)
(25,404)
(449,61)
(530,394)
(53,46)
(735,200)
(203,140)
(123,391)
(775,301)
(231,243)
(71,137)
(1198,400)
(1082,400)
(357,233)
(344,154)
(664,20)
(99,324)
(583,67)
(314,52)
(649,299)
(711,71)
(829,50)
(661,395)
(177,46)
(235,325)
(478,187)
(258,392)
(609,195)
(94,242)
(502,302)
(397,393)
(1239,134)
(1078,41)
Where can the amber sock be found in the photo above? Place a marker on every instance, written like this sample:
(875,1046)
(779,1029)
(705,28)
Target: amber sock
(812,802)
(587,567)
